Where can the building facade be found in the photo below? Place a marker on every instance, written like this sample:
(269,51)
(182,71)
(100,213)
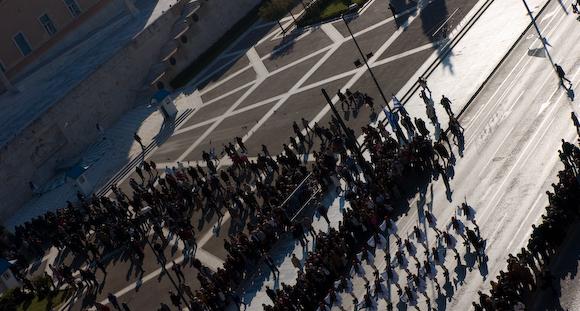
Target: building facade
(29,28)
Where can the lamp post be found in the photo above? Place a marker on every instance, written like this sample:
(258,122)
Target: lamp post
(542,39)
(179,292)
(398,130)
(350,137)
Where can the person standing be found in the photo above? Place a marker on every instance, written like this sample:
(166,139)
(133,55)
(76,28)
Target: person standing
(113,300)
(420,124)
(323,212)
(296,262)
(446,103)
(240,142)
(175,300)
(561,74)
(576,123)
(423,83)
(177,269)
(138,139)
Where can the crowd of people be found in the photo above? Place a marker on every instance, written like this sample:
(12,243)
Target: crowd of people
(528,271)
(254,194)
(371,198)
(250,191)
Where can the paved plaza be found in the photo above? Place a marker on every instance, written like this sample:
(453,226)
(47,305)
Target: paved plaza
(265,81)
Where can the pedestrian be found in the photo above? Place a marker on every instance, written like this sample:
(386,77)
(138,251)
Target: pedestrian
(271,264)
(140,174)
(296,262)
(423,83)
(175,300)
(323,212)
(178,272)
(439,169)
(138,139)
(147,169)
(163,307)
(431,114)
(446,103)
(271,293)
(393,10)
(125,307)
(187,290)
(408,125)
(98,264)
(160,255)
(575,121)
(240,142)
(420,124)
(113,300)
(306,125)
(561,74)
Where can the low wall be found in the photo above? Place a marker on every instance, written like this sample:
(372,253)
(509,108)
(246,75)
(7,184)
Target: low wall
(68,127)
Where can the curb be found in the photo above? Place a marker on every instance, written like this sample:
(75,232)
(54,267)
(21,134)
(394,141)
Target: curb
(452,43)
(508,53)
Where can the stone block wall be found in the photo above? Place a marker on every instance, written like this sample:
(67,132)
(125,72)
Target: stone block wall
(69,126)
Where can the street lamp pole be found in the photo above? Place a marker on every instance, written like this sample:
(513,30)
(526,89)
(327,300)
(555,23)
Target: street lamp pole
(397,127)
(542,39)
(350,137)
(179,292)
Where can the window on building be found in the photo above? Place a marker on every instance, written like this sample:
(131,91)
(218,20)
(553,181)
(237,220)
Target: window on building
(47,24)
(73,7)
(22,44)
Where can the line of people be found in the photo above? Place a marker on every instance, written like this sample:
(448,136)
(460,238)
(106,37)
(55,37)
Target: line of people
(528,271)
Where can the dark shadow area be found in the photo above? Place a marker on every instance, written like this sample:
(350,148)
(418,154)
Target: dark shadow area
(401,6)
(437,25)
(538,52)
(286,45)
(211,54)
(564,267)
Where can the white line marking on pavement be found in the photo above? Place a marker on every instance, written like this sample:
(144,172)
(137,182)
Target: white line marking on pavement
(522,58)
(220,120)
(257,63)
(332,33)
(541,129)
(231,114)
(508,135)
(222,81)
(239,88)
(294,63)
(405,54)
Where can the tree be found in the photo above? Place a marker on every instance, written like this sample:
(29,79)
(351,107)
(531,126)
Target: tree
(274,10)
